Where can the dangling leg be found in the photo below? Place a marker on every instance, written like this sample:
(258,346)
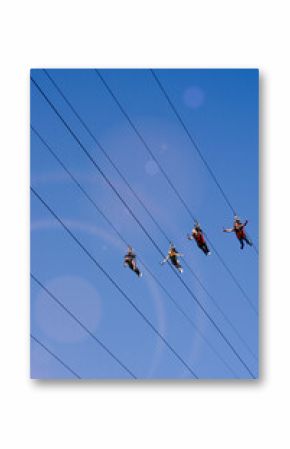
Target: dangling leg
(205,249)
(177,265)
(202,247)
(241,243)
(248,241)
(208,253)
(130,264)
(138,272)
(173,261)
(136,269)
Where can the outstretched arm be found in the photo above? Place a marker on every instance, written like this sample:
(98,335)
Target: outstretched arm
(165,260)
(179,254)
(246,222)
(228,230)
(190,237)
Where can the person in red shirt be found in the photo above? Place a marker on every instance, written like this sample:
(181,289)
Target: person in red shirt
(197,235)
(239,229)
(130,261)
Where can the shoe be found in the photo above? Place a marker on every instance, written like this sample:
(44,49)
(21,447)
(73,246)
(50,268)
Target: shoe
(209,253)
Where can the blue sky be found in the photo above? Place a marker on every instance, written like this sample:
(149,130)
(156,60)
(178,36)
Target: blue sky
(220,108)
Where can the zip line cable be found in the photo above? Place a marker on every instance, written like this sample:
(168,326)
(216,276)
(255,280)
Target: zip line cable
(115,284)
(96,339)
(227,320)
(105,153)
(193,142)
(126,243)
(195,145)
(54,356)
(174,189)
(129,186)
(196,300)
(139,200)
(144,142)
(139,223)
(90,199)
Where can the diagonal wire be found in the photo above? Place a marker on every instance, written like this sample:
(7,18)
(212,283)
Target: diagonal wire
(193,142)
(195,145)
(115,284)
(135,195)
(127,183)
(195,299)
(144,142)
(116,230)
(235,280)
(91,200)
(55,356)
(227,320)
(96,339)
(105,153)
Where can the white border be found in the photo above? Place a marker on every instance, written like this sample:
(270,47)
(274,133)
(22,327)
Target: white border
(142,34)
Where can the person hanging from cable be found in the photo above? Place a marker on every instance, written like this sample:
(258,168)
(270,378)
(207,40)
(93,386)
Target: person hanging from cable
(197,235)
(130,261)
(239,229)
(172,256)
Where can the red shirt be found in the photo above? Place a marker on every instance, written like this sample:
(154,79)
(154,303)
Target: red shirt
(199,237)
(239,230)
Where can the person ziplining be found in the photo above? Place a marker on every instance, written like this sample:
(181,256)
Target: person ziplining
(239,229)
(173,255)
(130,261)
(197,235)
